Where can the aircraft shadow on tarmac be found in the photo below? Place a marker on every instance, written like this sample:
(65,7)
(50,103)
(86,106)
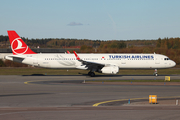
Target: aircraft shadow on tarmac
(92,77)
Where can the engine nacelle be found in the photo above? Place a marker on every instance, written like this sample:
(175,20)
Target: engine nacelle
(110,70)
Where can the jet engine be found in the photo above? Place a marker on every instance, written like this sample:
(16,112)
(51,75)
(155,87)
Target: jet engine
(110,69)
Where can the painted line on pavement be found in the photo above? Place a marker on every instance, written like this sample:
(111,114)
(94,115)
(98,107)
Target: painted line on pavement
(32,82)
(104,102)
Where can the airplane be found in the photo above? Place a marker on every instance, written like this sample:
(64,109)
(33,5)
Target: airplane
(103,63)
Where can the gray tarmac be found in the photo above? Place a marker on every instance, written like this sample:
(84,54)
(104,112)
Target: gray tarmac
(38,97)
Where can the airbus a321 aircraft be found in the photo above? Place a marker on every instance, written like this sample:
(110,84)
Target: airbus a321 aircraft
(103,63)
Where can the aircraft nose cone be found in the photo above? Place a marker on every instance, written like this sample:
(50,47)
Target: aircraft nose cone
(173,64)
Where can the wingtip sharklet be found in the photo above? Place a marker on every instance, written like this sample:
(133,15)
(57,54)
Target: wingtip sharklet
(77,57)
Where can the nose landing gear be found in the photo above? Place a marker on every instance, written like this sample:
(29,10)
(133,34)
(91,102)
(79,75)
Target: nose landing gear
(155,72)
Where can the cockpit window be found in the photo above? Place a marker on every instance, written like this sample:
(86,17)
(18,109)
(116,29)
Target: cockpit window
(166,59)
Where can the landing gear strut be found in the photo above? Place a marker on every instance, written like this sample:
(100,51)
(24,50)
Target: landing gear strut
(92,74)
(155,72)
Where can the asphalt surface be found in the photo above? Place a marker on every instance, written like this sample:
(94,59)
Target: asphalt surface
(66,97)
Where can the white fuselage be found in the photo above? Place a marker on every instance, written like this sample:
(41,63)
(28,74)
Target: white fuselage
(123,61)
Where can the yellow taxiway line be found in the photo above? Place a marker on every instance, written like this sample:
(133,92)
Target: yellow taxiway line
(97,104)
(31,82)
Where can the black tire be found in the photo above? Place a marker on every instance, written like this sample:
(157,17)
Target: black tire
(156,74)
(92,74)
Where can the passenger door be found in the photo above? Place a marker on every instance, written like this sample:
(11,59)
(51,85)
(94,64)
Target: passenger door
(157,60)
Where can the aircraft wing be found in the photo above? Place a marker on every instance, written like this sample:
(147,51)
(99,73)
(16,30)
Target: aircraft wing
(90,65)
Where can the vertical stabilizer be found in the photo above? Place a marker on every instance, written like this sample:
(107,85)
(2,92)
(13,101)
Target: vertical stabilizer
(18,46)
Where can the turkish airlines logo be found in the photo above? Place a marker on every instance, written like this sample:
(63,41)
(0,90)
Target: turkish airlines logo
(18,47)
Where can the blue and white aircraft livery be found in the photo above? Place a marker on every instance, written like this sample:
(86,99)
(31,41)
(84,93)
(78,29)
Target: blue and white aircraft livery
(103,63)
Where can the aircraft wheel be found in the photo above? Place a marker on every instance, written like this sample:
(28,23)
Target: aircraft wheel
(92,74)
(89,73)
(156,74)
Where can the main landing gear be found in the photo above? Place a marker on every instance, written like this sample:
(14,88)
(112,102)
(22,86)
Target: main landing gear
(92,74)
(155,72)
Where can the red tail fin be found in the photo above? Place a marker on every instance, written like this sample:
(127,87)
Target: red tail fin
(18,46)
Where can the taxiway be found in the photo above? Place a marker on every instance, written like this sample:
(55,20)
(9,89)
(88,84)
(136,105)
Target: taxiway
(66,97)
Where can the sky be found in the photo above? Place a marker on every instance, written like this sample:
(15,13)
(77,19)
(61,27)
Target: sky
(91,19)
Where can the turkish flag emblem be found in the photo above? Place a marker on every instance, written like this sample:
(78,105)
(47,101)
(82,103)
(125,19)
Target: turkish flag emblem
(18,46)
